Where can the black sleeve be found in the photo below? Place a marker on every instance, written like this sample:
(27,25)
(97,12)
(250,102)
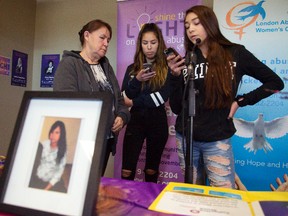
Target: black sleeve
(270,82)
(131,85)
(154,98)
(126,78)
(176,93)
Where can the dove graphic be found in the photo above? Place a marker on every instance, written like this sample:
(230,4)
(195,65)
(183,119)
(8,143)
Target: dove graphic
(259,129)
(254,10)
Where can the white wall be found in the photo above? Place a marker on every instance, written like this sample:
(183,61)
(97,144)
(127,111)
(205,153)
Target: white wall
(17,28)
(58,23)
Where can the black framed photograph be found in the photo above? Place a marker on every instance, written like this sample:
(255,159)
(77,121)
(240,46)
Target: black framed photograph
(54,161)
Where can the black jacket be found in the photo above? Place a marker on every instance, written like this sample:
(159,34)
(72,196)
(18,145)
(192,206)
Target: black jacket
(144,98)
(212,125)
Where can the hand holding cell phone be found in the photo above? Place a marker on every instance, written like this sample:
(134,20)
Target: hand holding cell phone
(176,64)
(172,51)
(146,73)
(147,67)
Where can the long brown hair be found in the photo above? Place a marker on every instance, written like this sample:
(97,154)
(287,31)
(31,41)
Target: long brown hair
(160,63)
(62,143)
(219,78)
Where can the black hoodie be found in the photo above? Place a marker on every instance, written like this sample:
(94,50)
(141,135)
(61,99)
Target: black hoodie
(212,125)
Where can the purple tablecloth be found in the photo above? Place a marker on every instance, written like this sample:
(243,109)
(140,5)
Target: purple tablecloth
(123,197)
(119,197)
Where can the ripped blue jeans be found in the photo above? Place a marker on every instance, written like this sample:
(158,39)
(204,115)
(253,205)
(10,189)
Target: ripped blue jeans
(211,160)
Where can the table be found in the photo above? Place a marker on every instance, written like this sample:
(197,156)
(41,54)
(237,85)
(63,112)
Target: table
(123,197)
(119,197)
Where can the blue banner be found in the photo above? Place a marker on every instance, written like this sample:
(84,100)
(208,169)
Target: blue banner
(261,143)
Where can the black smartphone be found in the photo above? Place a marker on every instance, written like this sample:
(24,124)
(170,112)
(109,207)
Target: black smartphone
(147,65)
(170,51)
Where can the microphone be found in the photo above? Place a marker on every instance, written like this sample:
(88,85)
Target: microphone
(192,58)
(198,41)
(191,112)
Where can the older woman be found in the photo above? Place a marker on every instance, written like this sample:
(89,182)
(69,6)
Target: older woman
(89,70)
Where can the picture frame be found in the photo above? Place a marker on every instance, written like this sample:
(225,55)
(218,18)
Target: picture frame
(86,117)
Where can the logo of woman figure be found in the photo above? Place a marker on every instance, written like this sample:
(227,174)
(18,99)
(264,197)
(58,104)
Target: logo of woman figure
(246,16)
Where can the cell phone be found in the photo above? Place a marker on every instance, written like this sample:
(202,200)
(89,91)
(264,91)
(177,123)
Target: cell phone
(170,51)
(147,65)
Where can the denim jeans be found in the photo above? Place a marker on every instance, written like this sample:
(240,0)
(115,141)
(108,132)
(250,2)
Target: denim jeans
(211,160)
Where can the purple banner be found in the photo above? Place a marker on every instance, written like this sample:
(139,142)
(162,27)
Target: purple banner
(169,16)
(19,69)
(4,65)
(48,68)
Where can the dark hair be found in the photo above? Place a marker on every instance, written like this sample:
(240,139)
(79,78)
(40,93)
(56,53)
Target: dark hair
(62,146)
(218,80)
(160,63)
(93,26)
(210,23)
